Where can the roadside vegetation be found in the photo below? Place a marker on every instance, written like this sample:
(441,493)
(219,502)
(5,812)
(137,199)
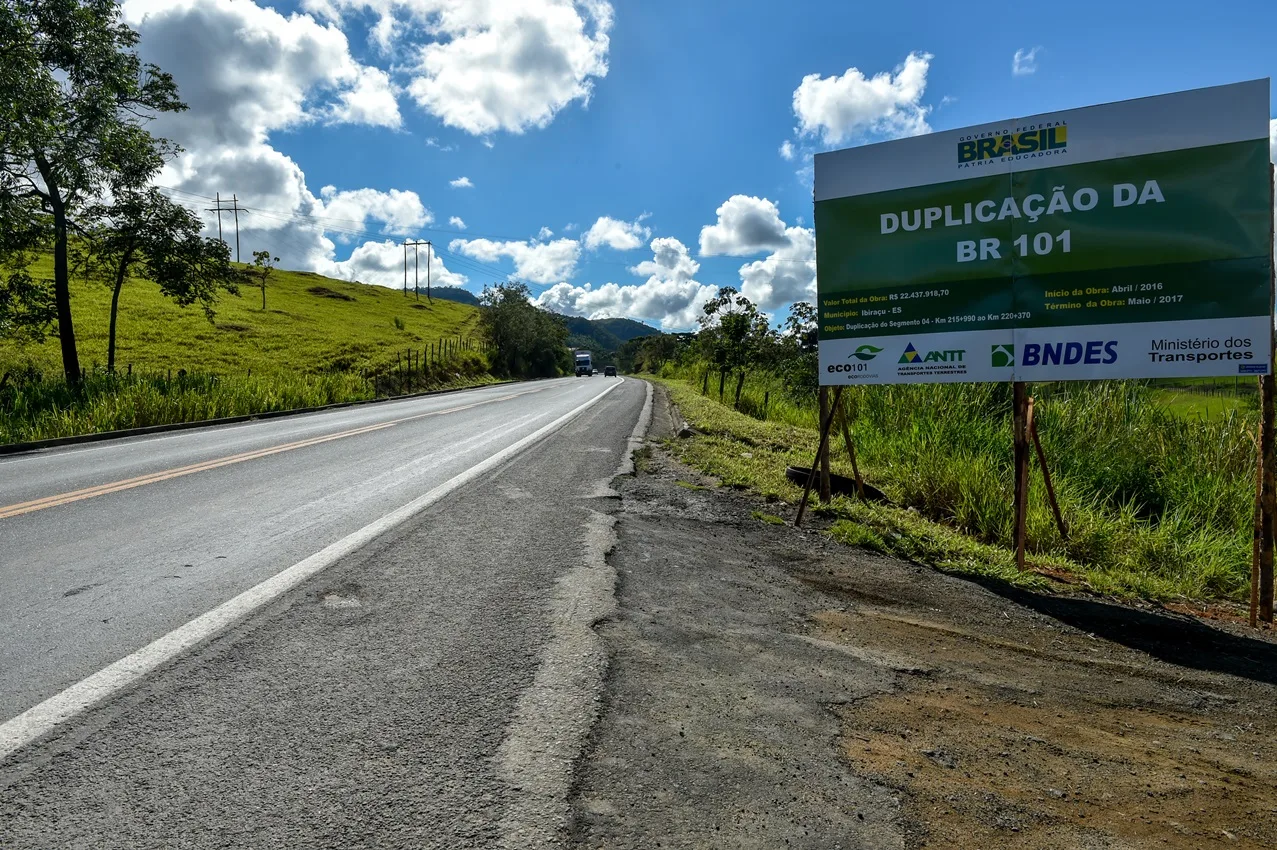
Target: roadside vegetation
(1158,504)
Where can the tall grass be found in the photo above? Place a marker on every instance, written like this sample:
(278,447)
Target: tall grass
(1156,504)
(37,406)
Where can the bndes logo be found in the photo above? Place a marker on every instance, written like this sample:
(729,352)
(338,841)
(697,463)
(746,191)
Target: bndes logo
(1092,353)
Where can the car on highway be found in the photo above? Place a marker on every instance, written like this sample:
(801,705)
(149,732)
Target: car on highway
(609,371)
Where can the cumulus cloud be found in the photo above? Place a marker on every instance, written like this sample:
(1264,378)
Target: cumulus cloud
(402,212)
(786,275)
(248,72)
(618,235)
(456,222)
(670,296)
(746,225)
(488,66)
(382,263)
(538,262)
(461,183)
(1024,62)
(850,106)
(787,149)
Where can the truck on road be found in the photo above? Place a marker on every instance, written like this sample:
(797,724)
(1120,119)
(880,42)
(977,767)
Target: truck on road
(584,366)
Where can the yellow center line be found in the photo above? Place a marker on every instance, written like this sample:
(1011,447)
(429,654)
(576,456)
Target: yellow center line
(216,463)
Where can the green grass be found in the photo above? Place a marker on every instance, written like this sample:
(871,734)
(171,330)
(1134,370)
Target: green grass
(319,341)
(1158,505)
(346,326)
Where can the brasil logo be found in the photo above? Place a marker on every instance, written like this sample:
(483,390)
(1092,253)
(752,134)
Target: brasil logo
(865,352)
(1003,355)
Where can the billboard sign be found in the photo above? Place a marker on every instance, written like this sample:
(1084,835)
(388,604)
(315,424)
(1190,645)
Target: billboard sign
(1127,240)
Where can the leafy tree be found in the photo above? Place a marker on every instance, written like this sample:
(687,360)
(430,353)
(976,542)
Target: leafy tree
(734,335)
(72,122)
(143,232)
(526,341)
(795,356)
(26,305)
(263,265)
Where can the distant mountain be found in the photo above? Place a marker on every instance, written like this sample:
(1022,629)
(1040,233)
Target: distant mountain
(603,337)
(453,293)
(625,329)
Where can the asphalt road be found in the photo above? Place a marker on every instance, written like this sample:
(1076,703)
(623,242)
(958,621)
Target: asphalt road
(107,547)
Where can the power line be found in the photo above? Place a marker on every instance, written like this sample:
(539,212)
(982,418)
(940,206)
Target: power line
(235,208)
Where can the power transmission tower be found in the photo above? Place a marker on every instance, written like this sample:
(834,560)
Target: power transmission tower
(233,208)
(416,287)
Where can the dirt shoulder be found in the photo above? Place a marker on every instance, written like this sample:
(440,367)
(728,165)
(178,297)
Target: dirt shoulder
(772,688)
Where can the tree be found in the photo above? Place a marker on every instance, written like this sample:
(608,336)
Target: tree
(263,265)
(143,232)
(26,305)
(72,123)
(733,334)
(526,341)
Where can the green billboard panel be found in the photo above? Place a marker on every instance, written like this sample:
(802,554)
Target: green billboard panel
(1067,246)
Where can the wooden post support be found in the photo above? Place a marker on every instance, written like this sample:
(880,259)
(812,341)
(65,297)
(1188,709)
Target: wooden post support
(825,424)
(826,410)
(1258,538)
(1020,401)
(1267,500)
(1046,474)
(851,451)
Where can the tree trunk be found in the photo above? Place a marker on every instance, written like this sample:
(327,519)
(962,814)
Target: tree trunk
(740,384)
(115,307)
(62,291)
(263,294)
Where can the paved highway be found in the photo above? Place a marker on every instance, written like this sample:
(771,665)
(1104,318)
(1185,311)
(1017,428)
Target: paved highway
(457,601)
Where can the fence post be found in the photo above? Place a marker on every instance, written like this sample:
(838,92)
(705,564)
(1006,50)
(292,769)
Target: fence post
(1019,423)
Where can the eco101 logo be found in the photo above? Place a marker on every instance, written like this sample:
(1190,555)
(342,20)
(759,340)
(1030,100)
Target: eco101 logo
(1024,144)
(863,354)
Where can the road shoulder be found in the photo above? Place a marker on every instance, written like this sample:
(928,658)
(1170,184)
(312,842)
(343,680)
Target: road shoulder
(769,687)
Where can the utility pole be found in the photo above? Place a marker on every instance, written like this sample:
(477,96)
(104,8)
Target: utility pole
(416,288)
(233,208)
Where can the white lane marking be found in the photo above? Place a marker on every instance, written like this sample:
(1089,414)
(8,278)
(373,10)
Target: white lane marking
(555,714)
(41,719)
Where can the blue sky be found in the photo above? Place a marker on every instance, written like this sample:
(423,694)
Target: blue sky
(342,124)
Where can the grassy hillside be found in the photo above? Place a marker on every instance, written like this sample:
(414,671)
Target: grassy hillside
(312,325)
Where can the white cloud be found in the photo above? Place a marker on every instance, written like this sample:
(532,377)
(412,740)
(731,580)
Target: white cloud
(382,263)
(544,233)
(461,183)
(787,149)
(538,262)
(370,100)
(246,73)
(456,222)
(670,296)
(786,275)
(853,105)
(615,234)
(432,142)
(402,212)
(489,66)
(746,225)
(1024,62)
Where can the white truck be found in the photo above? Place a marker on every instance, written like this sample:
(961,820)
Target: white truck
(583,364)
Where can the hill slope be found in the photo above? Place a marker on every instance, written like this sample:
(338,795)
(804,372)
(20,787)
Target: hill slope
(312,324)
(603,337)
